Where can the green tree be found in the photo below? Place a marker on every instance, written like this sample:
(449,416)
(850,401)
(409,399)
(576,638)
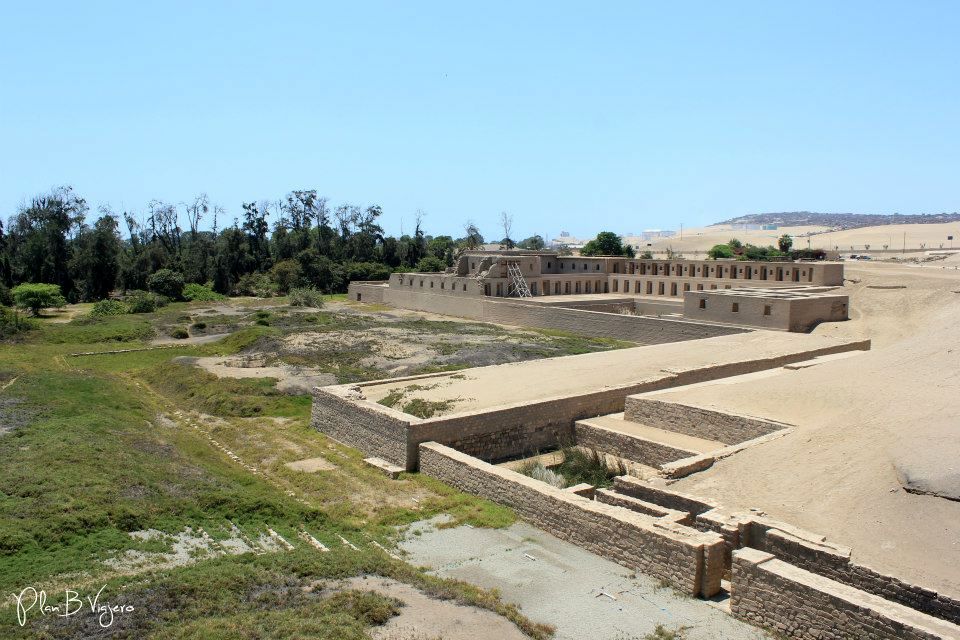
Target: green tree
(286,275)
(784,243)
(38,238)
(533,243)
(95,262)
(607,243)
(166,282)
(442,248)
(430,264)
(720,251)
(37,295)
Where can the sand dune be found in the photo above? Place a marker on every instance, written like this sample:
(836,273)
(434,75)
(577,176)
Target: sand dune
(932,236)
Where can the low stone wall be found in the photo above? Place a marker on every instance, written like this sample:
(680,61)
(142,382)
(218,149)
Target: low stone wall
(622,445)
(800,604)
(693,505)
(374,429)
(834,562)
(728,428)
(607,496)
(689,560)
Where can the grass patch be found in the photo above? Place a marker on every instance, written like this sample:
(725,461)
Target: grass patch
(427,408)
(242,397)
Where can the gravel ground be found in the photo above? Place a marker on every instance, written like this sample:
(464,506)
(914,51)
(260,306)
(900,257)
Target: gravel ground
(558,583)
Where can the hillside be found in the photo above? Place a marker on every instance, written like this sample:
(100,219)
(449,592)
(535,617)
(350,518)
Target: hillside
(841,220)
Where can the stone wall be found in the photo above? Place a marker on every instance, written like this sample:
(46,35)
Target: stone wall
(693,505)
(513,430)
(689,560)
(834,563)
(798,604)
(727,428)
(624,446)
(374,429)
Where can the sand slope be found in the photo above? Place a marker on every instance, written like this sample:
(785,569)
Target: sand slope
(859,419)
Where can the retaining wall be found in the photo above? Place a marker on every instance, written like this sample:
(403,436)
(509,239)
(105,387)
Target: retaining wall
(689,560)
(374,429)
(800,604)
(622,445)
(727,428)
(834,562)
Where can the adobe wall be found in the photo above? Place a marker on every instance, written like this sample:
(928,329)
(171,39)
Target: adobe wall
(689,560)
(798,604)
(372,291)
(593,323)
(374,429)
(723,427)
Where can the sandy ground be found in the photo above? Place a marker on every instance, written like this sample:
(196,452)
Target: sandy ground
(561,584)
(290,379)
(426,618)
(484,387)
(859,421)
(931,235)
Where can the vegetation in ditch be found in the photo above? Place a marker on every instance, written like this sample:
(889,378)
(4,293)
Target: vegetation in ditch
(576,466)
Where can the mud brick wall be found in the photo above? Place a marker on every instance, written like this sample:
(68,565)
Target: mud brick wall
(372,292)
(372,430)
(799,604)
(727,428)
(689,560)
(621,445)
(592,323)
(834,563)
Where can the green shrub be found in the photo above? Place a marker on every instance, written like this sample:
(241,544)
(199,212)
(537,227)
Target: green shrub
(38,295)
(306,297)
(167,283)
(144,302)
(108,308)
(285,275)
(179,333)
(11,322)
(588,466)
(201,293)
(199,325)
(6,298)
(263,322)
(257,285)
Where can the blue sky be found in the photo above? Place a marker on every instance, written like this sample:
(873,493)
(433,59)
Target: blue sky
(574,116)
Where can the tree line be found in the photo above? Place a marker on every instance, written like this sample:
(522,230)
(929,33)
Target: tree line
(300,240)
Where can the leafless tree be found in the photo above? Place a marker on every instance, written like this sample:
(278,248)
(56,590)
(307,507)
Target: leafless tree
(506,221)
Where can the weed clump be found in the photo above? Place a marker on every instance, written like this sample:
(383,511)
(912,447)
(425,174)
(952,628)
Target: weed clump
(591,467)
(105,308)
(179,334)
(306,297)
